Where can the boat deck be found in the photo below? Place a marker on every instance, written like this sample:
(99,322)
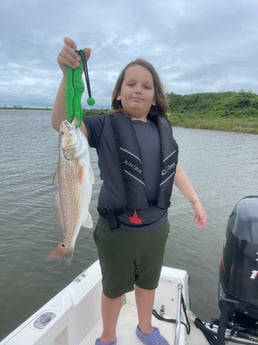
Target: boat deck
(126,330)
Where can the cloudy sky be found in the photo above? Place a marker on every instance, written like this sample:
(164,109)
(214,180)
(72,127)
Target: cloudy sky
(195,45)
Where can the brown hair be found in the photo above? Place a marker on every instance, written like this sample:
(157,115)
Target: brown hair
(161,107)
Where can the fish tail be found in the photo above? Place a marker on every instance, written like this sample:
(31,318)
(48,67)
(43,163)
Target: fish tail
(63,253)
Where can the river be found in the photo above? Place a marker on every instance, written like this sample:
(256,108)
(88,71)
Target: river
(222,166)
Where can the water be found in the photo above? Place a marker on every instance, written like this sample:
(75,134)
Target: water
(222,166)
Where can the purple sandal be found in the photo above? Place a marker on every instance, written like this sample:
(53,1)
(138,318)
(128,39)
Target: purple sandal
(154,338)
(98,342)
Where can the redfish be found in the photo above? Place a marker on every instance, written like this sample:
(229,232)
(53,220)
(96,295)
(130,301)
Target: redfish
(74,179)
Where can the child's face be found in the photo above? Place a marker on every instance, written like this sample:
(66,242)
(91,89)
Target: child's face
(137,93)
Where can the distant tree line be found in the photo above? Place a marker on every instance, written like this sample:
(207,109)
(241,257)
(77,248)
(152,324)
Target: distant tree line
(234,111)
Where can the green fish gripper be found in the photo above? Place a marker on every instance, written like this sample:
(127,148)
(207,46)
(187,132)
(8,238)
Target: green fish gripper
(73,94)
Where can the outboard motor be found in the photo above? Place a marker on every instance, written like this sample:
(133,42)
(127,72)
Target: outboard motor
(238,274)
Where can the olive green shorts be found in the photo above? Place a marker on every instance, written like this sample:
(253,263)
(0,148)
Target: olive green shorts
(129,258)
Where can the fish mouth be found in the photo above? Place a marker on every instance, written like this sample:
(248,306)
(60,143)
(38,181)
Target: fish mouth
(65,126)
(68,124)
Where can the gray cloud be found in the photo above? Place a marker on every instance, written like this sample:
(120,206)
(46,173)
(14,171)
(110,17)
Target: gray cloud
(196,46)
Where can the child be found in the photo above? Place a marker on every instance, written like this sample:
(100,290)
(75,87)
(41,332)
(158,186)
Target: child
(138,162)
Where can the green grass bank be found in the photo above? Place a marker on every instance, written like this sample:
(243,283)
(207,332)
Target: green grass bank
(227,111)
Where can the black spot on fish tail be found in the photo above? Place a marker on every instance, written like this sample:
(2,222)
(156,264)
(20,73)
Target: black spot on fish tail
(62,253)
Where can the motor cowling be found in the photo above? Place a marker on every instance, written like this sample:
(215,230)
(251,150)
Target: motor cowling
(238,273)
(238,279)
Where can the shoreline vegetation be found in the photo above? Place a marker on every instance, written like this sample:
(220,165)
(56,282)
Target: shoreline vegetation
(225,111)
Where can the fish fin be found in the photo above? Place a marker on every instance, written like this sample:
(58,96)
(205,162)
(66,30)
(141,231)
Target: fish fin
(80,173)
(63,253)
(88,223)
(92,177)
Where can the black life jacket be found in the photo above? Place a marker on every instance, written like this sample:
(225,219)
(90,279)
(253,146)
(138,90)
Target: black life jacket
(131,163)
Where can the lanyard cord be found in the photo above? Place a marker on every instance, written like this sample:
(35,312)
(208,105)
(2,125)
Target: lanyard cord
(90,99)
